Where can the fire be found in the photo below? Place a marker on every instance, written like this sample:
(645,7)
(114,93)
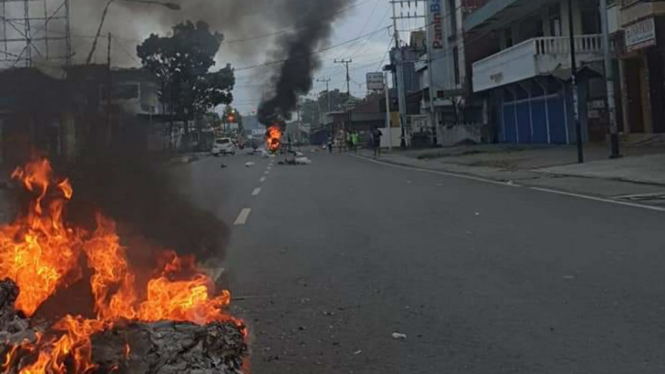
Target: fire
(42,255)
(274,138)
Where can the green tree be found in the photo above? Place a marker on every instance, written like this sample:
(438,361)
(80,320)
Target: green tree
(310,108)
(182,63)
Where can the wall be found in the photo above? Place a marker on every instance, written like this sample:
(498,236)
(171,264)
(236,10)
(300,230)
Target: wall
(394,134)
(455,133)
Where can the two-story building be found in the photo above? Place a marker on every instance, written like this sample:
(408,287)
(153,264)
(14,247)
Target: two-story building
(521,67)
(639,27)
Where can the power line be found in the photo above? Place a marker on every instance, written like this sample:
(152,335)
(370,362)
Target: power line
(385,15)
(313,52)
(122,48)
(376,3)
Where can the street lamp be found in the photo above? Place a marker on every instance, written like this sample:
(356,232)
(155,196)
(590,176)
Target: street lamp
(171,6)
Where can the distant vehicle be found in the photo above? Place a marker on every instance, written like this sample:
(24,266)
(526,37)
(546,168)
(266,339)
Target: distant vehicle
(223,146)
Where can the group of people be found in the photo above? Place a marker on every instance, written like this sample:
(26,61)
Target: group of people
(351,139)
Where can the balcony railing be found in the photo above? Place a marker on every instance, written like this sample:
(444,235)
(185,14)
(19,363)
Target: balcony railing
(532,57)
(561,45)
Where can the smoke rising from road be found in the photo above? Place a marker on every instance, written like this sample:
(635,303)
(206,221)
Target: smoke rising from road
(313,21)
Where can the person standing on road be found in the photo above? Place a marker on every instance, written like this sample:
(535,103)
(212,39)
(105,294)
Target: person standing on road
(354,141)
(376,141)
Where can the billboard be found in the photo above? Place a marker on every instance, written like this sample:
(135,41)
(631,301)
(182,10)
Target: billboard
(437,47)
(375,81)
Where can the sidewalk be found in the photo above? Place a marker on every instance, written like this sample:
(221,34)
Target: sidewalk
(640,172)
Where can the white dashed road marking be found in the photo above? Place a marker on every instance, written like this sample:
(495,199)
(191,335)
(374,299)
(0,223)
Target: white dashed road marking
(263,179)
(266,172)
(256,191)
(242,217)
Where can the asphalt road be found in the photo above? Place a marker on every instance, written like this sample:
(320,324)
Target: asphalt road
(335,257)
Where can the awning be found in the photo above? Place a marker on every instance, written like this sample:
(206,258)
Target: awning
(593,70)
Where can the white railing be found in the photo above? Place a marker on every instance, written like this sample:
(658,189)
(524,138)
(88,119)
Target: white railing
(533,57)
(561,45)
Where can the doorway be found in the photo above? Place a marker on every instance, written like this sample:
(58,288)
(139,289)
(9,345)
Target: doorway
(634,68)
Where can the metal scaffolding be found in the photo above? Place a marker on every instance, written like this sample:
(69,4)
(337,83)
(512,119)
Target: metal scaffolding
(34,31)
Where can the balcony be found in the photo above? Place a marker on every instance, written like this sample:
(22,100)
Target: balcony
(533,57)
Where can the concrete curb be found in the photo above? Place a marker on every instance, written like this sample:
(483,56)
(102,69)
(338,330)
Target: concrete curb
(534,171)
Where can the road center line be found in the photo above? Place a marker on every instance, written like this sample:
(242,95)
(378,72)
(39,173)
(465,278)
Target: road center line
(462,176)
(242,217)
(263,179)
(256,191)
(266,172)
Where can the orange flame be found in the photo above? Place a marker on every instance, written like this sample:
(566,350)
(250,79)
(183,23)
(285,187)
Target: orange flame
(273,138)
(39,252)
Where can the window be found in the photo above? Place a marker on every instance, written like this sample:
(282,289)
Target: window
(555,27)
(456,65)
(508,37)
(555,20)
(590,22)
(452,13)
(539,28)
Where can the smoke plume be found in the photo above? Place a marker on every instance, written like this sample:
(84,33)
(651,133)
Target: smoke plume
(249,27)
(313,21)
(146,200)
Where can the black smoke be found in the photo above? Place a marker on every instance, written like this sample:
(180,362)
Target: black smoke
(312,26)
(146,196)
(249,26)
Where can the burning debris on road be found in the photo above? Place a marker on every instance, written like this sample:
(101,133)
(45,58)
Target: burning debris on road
(169,322)
(274,137)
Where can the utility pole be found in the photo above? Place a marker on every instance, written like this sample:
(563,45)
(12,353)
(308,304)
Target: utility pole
(399,62)
(388,127)
(348,77)
(609,81)
(348,88)
(327,82)
(171,6)
(573,78)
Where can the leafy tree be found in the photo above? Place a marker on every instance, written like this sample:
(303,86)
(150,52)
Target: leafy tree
(182,63)
(310,108)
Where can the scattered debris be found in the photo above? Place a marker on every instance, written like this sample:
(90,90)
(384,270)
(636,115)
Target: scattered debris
(173,347)
(477,213)
(299,154)
(356,353)
(157,347)
(249,164)
(568,277)
(295,161)
(223,166)
(399,336)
